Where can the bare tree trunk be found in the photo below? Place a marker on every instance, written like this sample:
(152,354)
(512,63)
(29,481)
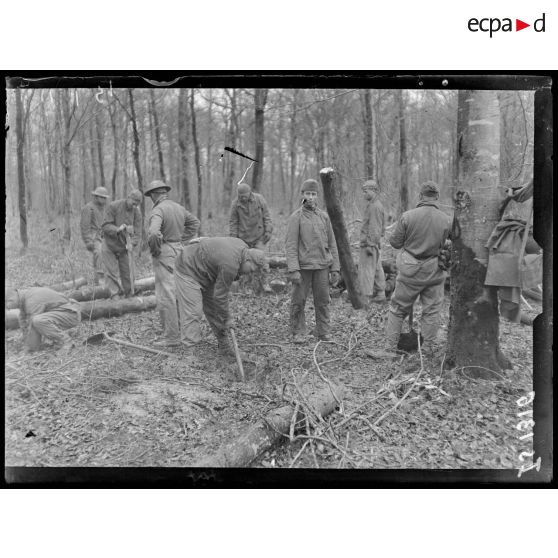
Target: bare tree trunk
(64,98)
(112,115)
(20,138)
(474,322)
(209,146)
(157,136)
(368,134)
(137,163)
(196,156)
(292,148)
(183,145)
(335,211)
(260,98)
(100,149)
(92,157)
(403,168)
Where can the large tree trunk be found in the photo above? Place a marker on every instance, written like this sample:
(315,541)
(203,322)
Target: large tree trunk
(209,162)
(259,104)
(99,131)
(268,432)
(368,117)
(403,167)
(183,145)
(292,149)
(474,321)
(66,162)
(196,156)
(335,211)
(112,115)
(157,135)
(20,137)
(93,310)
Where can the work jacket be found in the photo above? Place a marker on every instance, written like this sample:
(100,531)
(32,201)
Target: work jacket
(310,243)
(214,263)
(172,221)
(38,300)
(117,214)
(91,224)
(250,221)
(373,224)
(421,232)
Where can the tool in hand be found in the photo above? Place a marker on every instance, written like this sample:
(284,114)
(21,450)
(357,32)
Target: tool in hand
(130,250)
(237,355)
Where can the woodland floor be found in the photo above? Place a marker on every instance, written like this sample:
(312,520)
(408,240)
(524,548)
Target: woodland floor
(109,405)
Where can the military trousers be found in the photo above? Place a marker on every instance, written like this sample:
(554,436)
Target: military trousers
(50,325)
(316,280)
(165,289)
(117,271)
(371,273)
(195,301)
(97,260)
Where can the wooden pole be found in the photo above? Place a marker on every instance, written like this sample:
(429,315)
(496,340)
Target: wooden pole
(335,211)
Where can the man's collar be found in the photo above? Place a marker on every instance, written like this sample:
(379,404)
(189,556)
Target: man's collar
(433,203)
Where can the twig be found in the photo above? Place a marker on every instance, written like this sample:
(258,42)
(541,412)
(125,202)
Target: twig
(293,420)
(325,379)
(342,460)
(265,345)
(311,443)
(299,453)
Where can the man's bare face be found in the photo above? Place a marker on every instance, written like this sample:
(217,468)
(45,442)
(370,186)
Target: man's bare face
(310,198)
(100,201)
(243,198)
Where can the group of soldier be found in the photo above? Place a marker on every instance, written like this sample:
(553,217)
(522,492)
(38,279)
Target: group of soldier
(194,275)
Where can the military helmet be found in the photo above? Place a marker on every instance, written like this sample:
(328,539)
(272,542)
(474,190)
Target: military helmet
(100,192)
(156,185)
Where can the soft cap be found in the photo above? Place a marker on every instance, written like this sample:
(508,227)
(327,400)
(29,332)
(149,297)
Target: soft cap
(370,185)
(243,189)
(429,189)
(309,185)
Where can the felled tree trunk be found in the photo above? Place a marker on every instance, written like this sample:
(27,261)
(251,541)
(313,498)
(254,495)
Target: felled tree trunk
(268,432)
(474,320)
(335,211)
(67,285)
(93,310)
(96,293)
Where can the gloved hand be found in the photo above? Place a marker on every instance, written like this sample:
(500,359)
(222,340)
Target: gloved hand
(266,237)
(334,278)
(370,250)
(121,228)
(294,277)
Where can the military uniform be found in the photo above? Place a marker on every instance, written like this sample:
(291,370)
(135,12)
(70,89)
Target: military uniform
(204,272)
(310,249)
(46,313)
(170,225)
(371,273)
(114,253)
(420,233)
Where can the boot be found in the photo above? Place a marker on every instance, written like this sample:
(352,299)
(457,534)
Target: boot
(224,347)
(378,298)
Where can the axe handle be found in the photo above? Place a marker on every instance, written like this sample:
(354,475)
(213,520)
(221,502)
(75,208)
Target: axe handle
(237,355)
(130,250)
(134,346)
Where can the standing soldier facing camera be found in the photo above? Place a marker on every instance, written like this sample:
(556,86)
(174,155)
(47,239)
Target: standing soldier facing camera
(250,221)
(311,258)
(92,216)
(170,225)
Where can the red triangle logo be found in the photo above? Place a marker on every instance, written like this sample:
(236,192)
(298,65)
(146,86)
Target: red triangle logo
(519,25)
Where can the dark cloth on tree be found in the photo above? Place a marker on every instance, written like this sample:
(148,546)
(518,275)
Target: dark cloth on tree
(116,214)
(213,264)
(250,221)
(310,243)
(504,270)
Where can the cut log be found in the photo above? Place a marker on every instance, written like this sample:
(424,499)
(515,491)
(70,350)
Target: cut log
(335,211)
(532,294)
(526,320)
(277,261)
(96,293)
(268,432)
(67,285)
(278,285)
(93,310)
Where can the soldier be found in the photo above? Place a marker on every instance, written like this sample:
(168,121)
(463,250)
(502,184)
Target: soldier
(91,223)
(250,221)
(204,272)
(44,313)
(311,260)
(122,218)
(421,233)
(170,225)
(371,272)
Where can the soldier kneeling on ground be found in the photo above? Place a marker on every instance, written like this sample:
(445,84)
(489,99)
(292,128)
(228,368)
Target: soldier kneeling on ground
(44,313)
(204,271)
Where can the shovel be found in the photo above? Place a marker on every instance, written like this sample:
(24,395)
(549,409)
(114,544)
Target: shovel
(98,338)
